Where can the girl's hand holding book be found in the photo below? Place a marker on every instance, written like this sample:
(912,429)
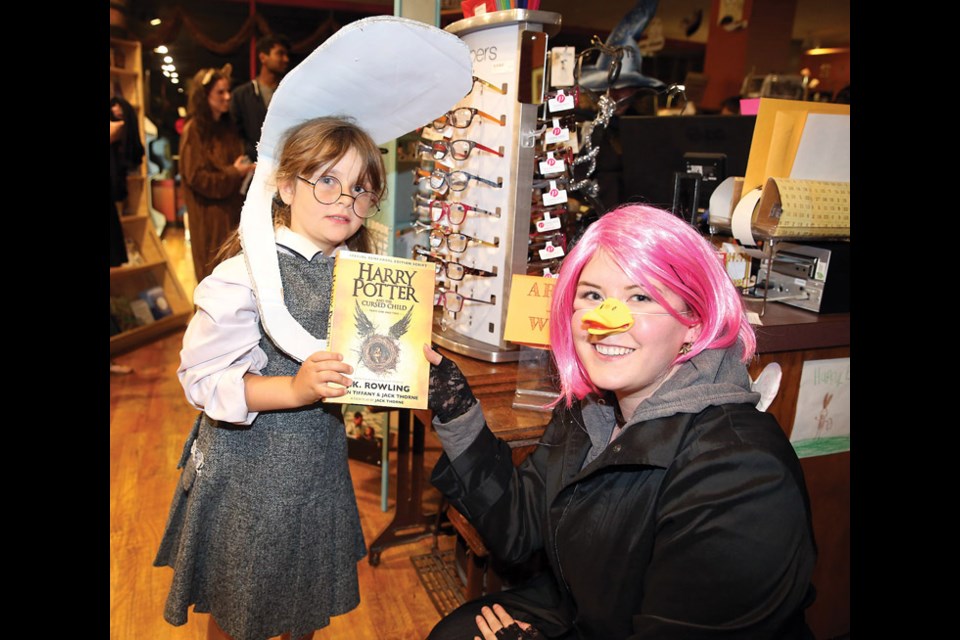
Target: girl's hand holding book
(312,382)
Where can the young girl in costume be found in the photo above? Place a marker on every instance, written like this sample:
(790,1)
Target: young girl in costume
(264,531)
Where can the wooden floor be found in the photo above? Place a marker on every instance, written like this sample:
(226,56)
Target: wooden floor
(149,421)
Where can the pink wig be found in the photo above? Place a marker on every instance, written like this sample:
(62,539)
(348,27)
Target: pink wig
(650,244)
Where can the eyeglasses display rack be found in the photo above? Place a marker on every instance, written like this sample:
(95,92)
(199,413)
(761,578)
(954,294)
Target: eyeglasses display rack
(472,196)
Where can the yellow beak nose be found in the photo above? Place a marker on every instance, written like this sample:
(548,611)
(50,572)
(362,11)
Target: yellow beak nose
(611,316)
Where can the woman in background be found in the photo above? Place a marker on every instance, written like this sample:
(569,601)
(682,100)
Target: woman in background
(126,154)
(212,167)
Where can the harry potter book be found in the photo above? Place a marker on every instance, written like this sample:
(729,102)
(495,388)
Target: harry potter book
(381,315)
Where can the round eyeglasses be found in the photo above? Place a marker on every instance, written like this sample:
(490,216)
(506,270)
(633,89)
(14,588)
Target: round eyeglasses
(328,190)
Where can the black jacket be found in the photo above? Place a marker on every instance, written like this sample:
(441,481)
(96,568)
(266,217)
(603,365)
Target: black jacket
(248,111)
(695,525)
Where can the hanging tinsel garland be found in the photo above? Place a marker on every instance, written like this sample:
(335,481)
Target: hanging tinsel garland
(255,24)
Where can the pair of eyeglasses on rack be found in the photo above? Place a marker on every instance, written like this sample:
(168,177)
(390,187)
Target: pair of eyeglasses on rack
(562,153)
(554,210)
(502,89)
(455,180)
(457,149)
(462,117)
(541,267)
(456,242)
(539,241)
(566,121)
(449,268)
(545,183)
(455,212)
(453,301)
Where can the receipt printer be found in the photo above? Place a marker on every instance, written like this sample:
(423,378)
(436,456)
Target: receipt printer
(813,276)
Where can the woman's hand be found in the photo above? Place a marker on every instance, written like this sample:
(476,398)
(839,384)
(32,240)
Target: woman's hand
(312,381)
(244,165)
(115,128)
(497,624)
(450,395)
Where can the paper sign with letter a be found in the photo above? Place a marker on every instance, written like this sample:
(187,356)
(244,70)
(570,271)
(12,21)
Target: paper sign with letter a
(528,311)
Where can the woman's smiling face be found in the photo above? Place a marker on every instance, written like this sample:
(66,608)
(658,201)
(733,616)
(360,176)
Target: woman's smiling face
(631,363)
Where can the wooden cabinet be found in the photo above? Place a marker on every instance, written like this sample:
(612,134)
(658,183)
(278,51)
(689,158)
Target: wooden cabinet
(148,266)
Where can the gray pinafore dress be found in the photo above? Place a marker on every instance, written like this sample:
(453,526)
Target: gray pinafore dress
(264,531)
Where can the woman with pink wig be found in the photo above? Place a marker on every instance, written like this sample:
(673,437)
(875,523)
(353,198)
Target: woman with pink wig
(664,503)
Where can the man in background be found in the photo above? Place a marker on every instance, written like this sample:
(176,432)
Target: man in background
(250,100)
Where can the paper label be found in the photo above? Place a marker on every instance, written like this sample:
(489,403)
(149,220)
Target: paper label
(562,102)
(556,133)
(550,251)
(548,223)
(554,195)
(552,165)
(562,62)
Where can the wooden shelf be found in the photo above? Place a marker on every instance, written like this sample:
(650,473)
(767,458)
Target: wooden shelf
(129,73)
(135,337)
(156,270)
(127,270)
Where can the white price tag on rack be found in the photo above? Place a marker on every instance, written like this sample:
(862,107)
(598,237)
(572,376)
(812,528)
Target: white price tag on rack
(550,251)
(554,195)
(556,133)
(552,165)
(548,223)
(561,102)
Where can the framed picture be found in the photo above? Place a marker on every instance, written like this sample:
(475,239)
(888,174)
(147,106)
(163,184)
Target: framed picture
(365,433)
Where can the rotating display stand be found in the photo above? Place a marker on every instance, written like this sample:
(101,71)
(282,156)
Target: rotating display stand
(509,74)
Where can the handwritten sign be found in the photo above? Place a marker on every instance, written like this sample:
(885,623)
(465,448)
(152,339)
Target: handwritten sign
(528,310)
(821,424)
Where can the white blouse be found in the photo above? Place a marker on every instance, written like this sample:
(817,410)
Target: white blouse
(222,341)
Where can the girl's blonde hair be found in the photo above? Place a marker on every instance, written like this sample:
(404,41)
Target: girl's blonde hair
(309,146)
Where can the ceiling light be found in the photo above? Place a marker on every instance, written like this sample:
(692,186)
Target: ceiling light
(155,22)
(166,73)
(822,51)
(162,49)
(168,59)
(175,80)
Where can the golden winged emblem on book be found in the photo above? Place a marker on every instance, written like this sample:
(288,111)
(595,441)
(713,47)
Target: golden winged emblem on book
(380,353)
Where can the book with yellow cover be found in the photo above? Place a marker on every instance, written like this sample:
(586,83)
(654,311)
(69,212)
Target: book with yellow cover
(381,315)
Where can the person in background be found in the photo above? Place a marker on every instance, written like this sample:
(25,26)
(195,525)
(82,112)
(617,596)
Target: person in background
(251,99)
(667,504)
(212,167)
(118,247)
(264,531)
(126,154)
